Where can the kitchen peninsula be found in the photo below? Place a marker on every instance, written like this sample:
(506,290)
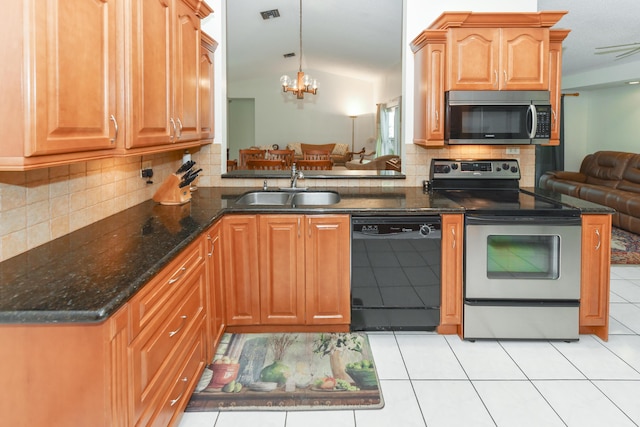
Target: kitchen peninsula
(101,301)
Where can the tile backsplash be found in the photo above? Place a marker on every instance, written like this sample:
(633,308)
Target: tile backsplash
(40,205)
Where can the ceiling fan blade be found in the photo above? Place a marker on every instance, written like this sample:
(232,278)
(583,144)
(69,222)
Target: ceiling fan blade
(618,45)
(629,53)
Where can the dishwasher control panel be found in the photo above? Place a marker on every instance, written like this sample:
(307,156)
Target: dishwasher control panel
(396,227)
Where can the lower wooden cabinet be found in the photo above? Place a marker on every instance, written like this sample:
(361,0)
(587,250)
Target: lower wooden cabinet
(451,274)
(302,263)
(595,272)
(216,318)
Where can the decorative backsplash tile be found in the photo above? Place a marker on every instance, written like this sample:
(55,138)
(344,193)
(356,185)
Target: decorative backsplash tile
(44,204)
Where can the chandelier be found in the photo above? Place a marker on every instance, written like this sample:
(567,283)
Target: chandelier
(303,83)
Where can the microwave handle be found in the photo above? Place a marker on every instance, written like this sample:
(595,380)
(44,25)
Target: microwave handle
(534,120)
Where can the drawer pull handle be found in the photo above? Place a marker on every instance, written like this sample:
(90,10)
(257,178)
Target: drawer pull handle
(184,388)
(599,240)
(175,278)
(212,246)
(172,333)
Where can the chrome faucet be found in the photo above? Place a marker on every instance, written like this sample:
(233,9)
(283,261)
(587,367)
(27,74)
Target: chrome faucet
(295,175)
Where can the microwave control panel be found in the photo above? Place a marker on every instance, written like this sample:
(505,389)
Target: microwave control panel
(543,127)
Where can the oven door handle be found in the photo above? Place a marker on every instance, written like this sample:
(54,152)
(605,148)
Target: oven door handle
(521,220)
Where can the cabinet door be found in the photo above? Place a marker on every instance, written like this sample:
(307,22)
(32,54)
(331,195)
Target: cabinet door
(596,263)
(429,100)
(451,274)
(151,70)
(186,104)
(282,250)
(207,117)
(555,81)
(328,258)
(215,288)
(242,289)
(72,83)
(474,59)
(524,59)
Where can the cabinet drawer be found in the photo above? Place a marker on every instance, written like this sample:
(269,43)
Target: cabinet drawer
(152,351)
(187,368)
(151,299)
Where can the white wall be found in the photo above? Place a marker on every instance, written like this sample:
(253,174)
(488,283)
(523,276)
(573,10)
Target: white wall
(318,119)
(601,119)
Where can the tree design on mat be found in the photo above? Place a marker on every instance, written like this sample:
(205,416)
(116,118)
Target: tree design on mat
(334,345)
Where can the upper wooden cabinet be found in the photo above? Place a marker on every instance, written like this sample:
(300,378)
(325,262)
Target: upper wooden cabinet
(208,47)
(483,51)
(498,59)
(87,80)
(165,72)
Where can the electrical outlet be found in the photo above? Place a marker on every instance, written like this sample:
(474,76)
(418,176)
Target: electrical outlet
(513,150)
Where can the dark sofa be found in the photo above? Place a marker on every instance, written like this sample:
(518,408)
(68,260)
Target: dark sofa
(609,178)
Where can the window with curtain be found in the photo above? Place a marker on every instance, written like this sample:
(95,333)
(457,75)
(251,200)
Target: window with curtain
(388,123)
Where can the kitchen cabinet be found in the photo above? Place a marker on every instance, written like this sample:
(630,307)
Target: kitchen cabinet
(65,374)
(240,257)
(429,75)
(215,298)
(61,92)
(594,273)
(555,72)
(498,59)
(125,81)
(303,264)
(207,49)
(165,72)
(483,51)
(451,274)
(168,351)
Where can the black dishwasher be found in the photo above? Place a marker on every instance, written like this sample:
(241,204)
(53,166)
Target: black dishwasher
(395,273)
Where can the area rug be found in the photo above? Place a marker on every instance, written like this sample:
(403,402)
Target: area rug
(289,372)
(625,247)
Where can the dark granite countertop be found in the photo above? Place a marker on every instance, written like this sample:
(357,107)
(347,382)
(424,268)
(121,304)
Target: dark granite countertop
(87,275)
(584,205)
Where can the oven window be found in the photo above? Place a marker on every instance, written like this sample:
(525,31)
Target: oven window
(522,256)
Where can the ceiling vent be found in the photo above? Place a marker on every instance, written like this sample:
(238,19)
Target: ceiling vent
(268,14)
(289,55)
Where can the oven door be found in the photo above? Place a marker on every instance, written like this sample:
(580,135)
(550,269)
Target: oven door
(522,258)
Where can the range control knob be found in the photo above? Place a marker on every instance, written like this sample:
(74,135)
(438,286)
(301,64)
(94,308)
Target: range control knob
(454,166)
(505,166)
(446,169)
(514,169)
(426,229)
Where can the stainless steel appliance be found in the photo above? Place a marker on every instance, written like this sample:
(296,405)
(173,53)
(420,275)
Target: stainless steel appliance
(395,272)
(522,253)
(498,117)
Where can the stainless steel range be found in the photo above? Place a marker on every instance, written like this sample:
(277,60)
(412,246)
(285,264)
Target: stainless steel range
(522,253)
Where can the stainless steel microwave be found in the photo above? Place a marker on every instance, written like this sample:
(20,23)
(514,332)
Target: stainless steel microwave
(497,117)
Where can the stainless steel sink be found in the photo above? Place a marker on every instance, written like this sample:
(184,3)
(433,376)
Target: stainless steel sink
(264,198)
(315,198)
(288,198)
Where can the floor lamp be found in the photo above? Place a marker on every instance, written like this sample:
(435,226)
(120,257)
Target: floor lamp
(353,131)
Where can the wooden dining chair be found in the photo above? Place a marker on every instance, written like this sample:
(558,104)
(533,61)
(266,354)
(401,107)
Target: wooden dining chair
(314,164)
(316,155)
(265,164)
(285,155)
(249,154)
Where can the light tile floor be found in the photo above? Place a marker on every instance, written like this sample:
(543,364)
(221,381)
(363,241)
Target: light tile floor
(434,380)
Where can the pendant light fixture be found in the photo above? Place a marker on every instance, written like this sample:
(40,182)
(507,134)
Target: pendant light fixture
(303,83)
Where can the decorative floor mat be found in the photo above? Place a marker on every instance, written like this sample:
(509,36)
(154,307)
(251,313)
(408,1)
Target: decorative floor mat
(625,247)
(289,372)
